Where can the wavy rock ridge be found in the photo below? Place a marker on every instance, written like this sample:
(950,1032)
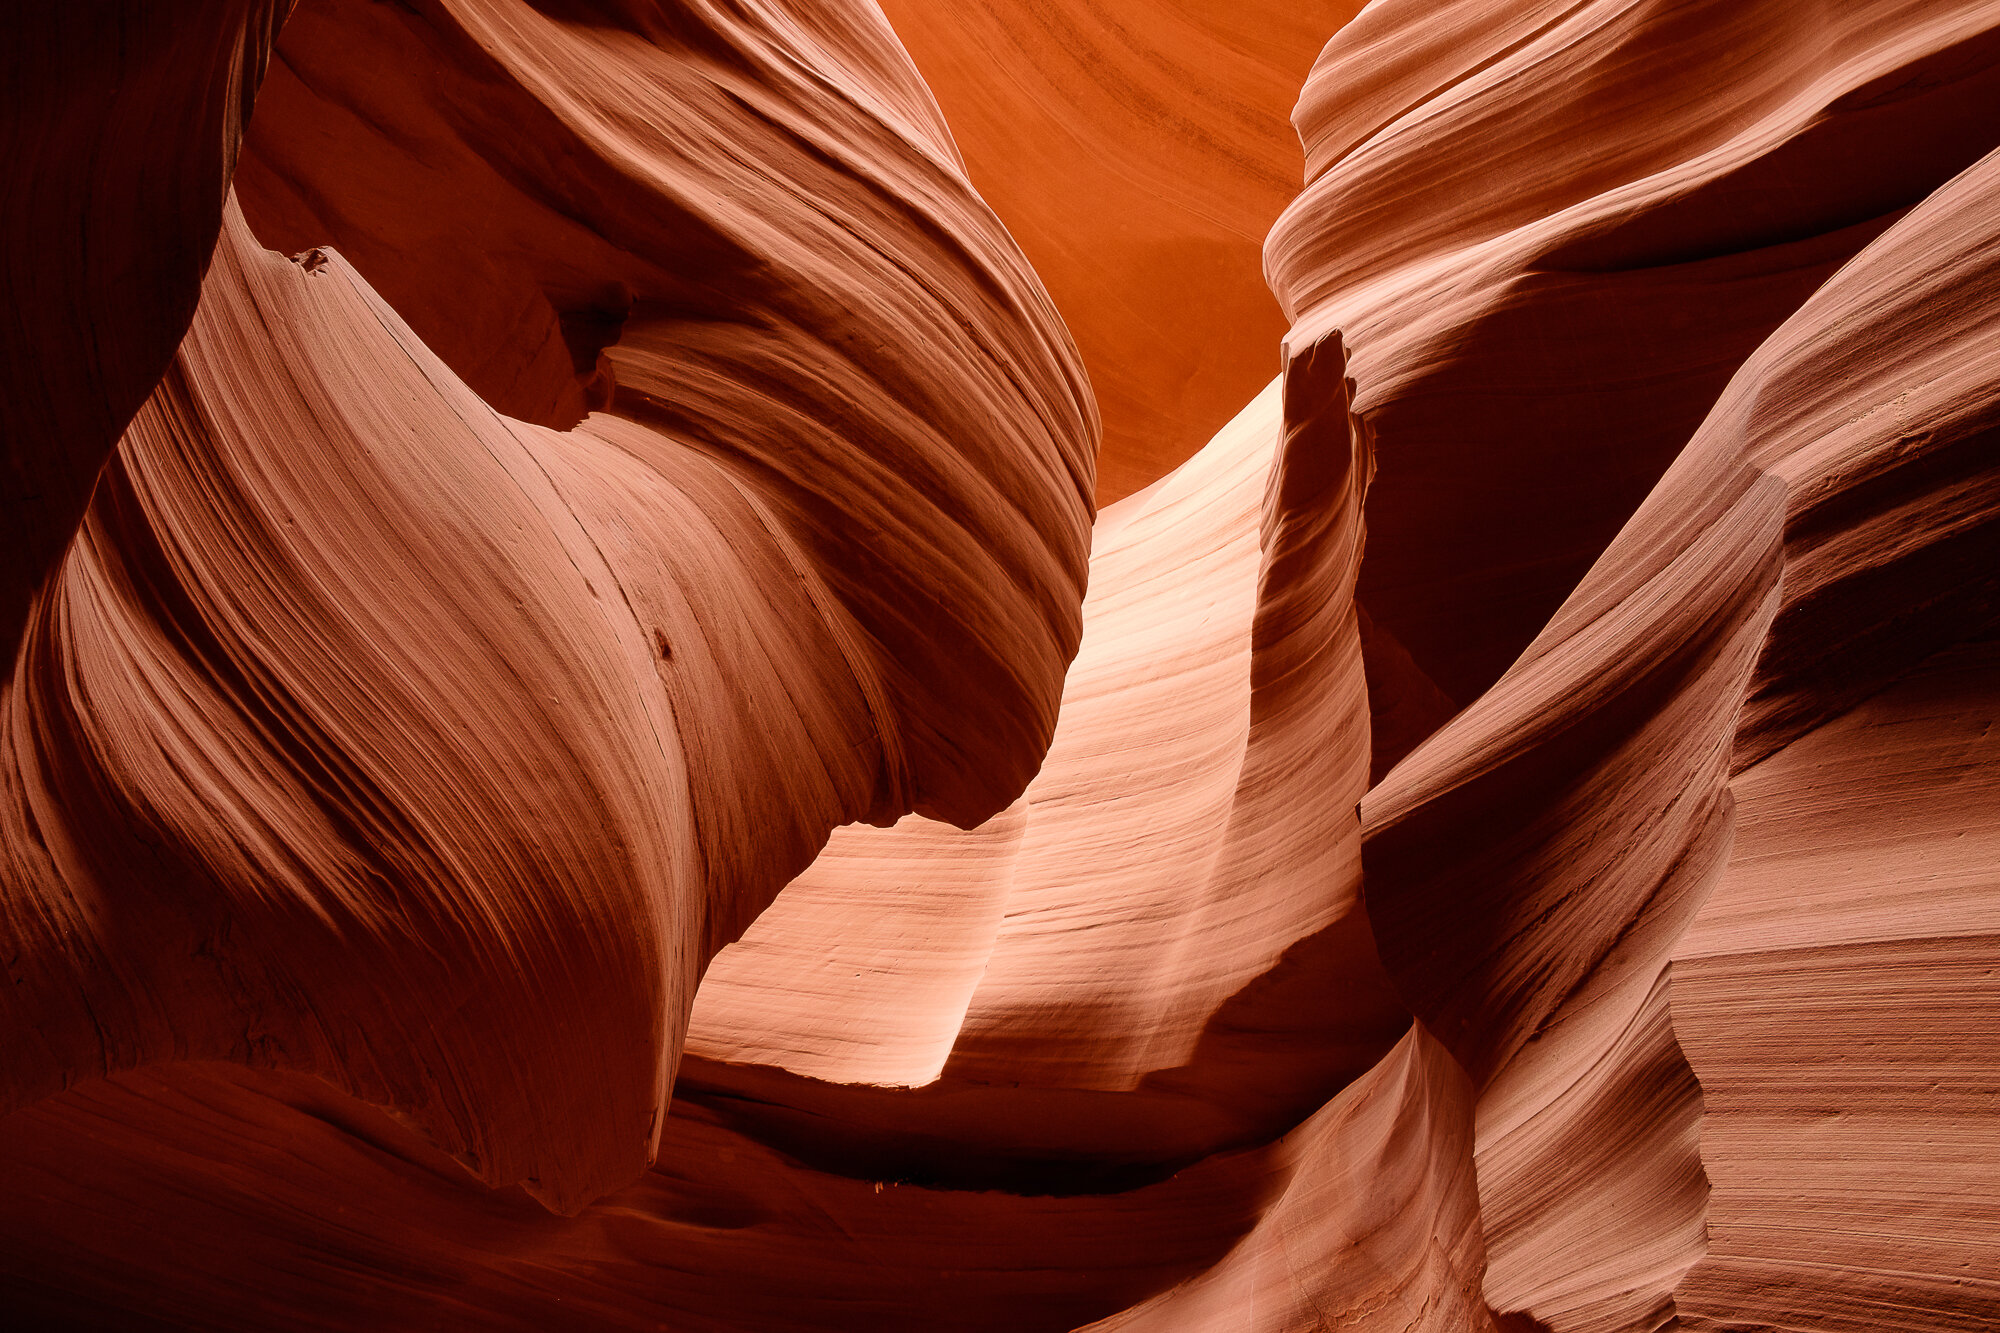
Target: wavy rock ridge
(1514,850)
(353,694)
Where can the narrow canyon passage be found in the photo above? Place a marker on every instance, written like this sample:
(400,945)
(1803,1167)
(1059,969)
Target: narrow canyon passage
(772,665)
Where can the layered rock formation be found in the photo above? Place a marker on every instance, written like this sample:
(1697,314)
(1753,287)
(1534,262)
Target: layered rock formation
(1515,847)
(1535,867)
(123,122)
(369,732)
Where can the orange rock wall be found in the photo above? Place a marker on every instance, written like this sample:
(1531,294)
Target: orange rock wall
(1138,150)
(369,732)
(122,127)
(1498,838)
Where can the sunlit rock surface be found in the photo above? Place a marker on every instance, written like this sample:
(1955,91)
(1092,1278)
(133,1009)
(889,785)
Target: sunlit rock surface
(370,732)
(1138,151)
(1500,837)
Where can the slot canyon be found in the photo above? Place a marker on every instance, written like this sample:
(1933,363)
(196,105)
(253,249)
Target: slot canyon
(1146,666)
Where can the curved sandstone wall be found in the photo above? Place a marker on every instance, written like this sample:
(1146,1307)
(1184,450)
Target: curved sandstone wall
(578,753)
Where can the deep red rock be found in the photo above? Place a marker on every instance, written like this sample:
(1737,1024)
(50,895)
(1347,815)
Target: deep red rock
(1513,848)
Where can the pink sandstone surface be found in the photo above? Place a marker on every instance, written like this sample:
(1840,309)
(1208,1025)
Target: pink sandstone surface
(577,752)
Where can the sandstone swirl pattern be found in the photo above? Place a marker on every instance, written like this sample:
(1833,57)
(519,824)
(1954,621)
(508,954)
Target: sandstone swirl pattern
(368,732)
(1547,874)
(1516,847)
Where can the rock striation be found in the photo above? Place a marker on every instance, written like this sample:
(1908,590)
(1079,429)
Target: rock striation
(1500,838)
(1536,868)
(369,732)
(122,128)
(1551,233)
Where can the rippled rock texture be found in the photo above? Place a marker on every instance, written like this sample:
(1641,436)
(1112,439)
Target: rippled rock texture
(577,753)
